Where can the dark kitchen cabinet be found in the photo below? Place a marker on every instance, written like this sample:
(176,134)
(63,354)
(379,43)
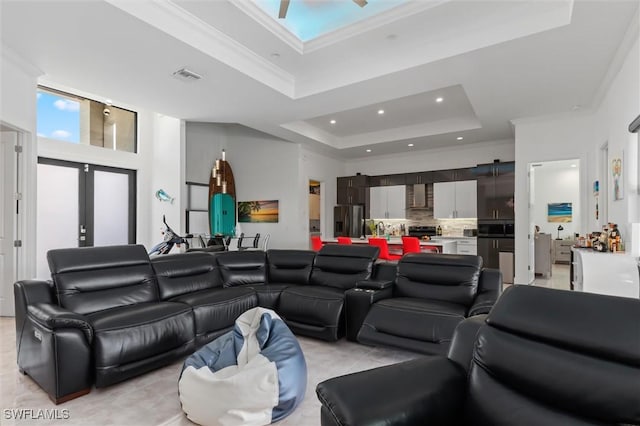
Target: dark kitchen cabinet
(419,178)
(453,175)
(353,190)
(489,249)
(496,187)
(387,180)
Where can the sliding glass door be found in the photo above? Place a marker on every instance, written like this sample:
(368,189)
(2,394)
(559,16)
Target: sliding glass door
(82,205)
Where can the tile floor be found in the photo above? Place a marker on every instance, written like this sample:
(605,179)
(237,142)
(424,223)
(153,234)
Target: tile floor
(152,399)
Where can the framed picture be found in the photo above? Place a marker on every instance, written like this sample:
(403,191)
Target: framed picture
(559,212)
(258,211)
(617,174)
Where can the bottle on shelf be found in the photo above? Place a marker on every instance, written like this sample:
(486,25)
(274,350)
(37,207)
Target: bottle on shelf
(439,230)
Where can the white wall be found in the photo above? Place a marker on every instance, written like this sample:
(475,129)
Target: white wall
(581,135)
(556,185)
(433,159)
(18,81)
(264,168)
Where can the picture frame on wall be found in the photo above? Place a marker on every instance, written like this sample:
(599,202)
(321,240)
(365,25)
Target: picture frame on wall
(617,176)
(559,212)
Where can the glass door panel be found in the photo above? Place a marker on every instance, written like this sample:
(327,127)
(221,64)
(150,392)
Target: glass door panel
(58,212)
(111,208)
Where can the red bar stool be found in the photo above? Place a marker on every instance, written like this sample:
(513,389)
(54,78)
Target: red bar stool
(410,245)
(381,243)
(316,243)
(344,240)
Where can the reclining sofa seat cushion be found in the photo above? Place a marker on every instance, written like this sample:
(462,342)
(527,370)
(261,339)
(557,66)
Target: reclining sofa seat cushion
(286,268)
(114,287)
(316,309)
(432,294)
(194,279)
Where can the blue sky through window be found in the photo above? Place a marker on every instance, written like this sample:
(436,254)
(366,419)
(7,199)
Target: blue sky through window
(58,117)
(308,19)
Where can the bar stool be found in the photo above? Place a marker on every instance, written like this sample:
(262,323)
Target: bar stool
(381,243)
(344,240)
(410,245)
(316,243)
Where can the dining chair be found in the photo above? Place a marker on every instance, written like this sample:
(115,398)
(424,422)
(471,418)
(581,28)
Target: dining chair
(381,243)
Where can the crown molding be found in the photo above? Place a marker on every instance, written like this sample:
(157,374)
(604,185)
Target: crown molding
(184,26)
(11,56)
(258,14)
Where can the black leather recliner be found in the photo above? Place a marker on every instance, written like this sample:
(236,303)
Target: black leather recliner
(543,357)
(431,294)
(316,309)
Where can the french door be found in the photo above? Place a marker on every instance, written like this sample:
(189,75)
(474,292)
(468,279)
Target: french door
(81,205)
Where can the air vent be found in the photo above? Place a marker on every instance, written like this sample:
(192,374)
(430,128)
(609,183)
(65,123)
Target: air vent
(187,75)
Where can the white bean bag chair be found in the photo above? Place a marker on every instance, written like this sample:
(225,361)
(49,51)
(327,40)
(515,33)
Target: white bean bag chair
(254,375)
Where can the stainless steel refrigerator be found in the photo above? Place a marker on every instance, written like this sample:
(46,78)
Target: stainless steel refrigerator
(348,221)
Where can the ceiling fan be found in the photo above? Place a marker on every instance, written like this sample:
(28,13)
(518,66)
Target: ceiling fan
(284,5)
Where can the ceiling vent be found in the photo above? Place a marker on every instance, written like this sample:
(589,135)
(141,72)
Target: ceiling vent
(186,75)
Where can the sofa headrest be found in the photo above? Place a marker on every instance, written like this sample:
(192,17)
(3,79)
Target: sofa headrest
(604,326)
(442,259)
(350,250)
(76,259)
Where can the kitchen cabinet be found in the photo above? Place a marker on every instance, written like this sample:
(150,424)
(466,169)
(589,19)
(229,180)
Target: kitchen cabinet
(387,180)
(489,249)
(496,187)
(387,202)
(452,175)
(454,199)
(418,178)
(467,246)
(352,190)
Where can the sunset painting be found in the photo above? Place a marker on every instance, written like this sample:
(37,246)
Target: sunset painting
(258,211)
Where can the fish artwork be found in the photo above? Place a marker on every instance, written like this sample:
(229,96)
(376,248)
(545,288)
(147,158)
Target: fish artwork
(163,196)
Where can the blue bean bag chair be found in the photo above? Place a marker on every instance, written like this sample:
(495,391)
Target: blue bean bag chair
(254,375)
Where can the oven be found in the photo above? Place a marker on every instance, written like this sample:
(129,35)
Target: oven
(422,231)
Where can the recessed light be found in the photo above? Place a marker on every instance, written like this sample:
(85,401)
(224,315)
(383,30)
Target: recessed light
(380,111)
(439,100)
(574,165)
(333,122)
(459,138)
(368,150)
(108,101)
(410,144)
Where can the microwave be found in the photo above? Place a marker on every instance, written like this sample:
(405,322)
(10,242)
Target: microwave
(496,230)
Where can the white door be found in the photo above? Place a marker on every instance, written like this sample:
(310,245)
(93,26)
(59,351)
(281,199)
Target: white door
(8,188)
(466,199)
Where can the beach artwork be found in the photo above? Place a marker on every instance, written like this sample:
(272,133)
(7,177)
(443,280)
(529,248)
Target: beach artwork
(559,212)
(258,211)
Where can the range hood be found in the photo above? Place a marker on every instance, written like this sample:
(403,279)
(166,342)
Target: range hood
(419,195)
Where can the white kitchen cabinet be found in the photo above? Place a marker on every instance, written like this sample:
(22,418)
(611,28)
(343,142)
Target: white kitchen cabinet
(467,246)
(387,202)
(455,199)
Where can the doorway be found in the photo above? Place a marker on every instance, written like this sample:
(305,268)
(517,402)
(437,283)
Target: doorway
(315,201)
(82,205)
(555,214)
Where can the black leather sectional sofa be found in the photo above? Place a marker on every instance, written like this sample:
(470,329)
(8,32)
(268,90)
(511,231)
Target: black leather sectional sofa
(542,357)
(111,313)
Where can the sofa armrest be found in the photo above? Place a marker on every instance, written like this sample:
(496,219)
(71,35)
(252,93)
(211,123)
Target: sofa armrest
(489,289)
(357,304)
(429,390)
(464,339)
(374,284)
(53,317)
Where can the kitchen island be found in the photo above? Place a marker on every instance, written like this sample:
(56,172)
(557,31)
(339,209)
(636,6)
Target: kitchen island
(395,245)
